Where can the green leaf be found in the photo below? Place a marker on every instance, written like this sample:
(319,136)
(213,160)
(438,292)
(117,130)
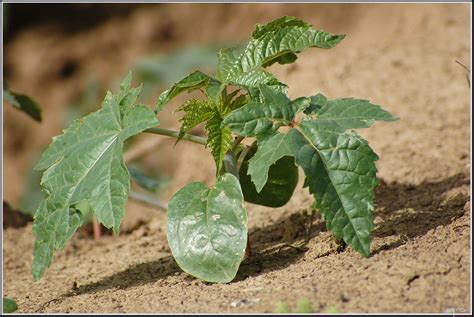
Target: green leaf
(239,102)
(9,305)
(281,178)
(269,151)
(207,229)
(260,118)
(275,25)
(193,81)
(341,174)
(278,41)
(23,103)
(196,112)
(316,103)
(85,163)
(219,139)
(350,113)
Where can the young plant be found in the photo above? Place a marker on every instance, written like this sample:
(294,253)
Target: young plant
(207,227)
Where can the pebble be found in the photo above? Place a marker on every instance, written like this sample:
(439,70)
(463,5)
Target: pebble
(467,206)
(244,302)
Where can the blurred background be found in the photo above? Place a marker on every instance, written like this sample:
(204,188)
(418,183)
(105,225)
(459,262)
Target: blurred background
(406,57)
(66,56)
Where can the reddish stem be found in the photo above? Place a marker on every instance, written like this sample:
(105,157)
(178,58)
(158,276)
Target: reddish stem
(96,229)
(293,123)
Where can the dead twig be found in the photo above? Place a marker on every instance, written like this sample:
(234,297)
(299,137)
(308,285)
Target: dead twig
(468,75)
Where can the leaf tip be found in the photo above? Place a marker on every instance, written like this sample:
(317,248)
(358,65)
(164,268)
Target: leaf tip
(336,39)
(125,85)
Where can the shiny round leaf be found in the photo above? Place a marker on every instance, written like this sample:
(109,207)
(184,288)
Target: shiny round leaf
(207,229)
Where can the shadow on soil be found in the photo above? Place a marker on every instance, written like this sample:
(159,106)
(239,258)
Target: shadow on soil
(405,210)
(411,211)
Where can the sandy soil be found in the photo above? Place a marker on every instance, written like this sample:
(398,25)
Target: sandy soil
(399,56)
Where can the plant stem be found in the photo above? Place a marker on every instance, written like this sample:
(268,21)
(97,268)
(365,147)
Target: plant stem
(175,134)
(96,229)
(236,142)
(242,156)
(148,199)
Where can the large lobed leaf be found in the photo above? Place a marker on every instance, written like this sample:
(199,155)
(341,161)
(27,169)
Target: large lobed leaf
(339,166)
(85,165)
(341,174)
(207,229)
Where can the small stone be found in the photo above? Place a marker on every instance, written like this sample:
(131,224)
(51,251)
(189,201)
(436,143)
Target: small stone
(467,206)
(244,302)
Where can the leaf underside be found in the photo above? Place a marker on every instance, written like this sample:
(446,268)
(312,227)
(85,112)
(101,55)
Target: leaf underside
(207,229)
(279,176)
(85,164)
(269,151)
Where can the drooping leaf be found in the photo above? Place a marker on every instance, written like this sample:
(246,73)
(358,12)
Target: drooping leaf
(260,118)
(23,103)
(193,81)
(207,229)
(85,163)
(269,151)
(277,41)
(9,305)
(281,177)
(196,112)
(350,113)
(341,173)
